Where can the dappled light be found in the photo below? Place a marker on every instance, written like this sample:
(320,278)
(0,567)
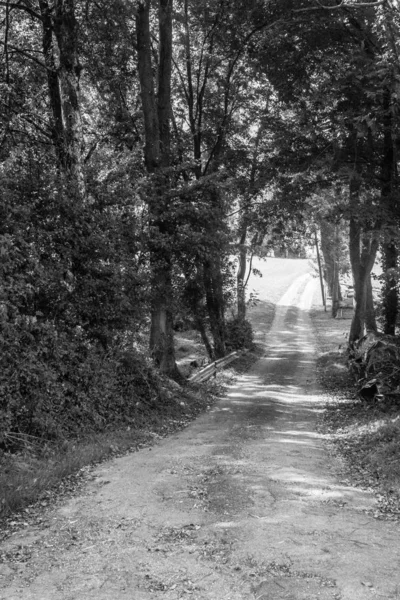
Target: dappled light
(182,183)
(274,408)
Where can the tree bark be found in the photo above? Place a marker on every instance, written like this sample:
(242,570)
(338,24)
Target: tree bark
(390,287)
(52,81)
(389,245)
(147,89)
(157,116)
(215,304)
(326,230)
(243,228)
(335,289)
(240,275)
(363,248)
(59,25)
(370,319)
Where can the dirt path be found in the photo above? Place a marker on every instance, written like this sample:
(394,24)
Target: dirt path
(243,504)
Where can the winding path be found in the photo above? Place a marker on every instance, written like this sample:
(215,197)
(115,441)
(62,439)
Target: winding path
(244,504)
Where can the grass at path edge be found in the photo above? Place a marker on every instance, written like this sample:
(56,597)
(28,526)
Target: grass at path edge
(364,436)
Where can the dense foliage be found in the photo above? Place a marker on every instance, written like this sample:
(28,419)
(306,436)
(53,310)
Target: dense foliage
(141,146)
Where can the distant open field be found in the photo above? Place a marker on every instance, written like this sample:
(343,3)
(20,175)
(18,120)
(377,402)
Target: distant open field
(277,276)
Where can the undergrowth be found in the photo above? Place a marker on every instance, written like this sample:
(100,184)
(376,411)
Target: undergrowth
(36,470)
(365,435)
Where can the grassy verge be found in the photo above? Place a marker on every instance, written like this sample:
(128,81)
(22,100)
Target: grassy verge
(365,436)
(38,475)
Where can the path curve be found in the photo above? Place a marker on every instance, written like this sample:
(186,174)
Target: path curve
(244,504)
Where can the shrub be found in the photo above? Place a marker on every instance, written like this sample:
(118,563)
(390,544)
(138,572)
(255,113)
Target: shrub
(239,334)
(55,384)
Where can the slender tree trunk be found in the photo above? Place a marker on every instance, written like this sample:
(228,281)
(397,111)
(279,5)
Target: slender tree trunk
(157,115)
(59,25)
(202,330)
(215,304)
(147,89)
(213,278)
(336,294)
(390,287)
(335,289)
(194,297)
(240,275)
(389,246)
(52,82)
(370,319)
(242,267)
(326,230)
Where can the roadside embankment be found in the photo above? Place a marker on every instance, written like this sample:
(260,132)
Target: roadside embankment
(364,435)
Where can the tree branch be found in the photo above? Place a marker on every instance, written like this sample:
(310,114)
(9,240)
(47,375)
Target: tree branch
(21,6)
(342,4)
(26,54)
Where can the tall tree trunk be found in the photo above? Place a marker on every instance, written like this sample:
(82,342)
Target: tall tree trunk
(52,81)
(327,232)
(243,227)
(194,296)
(215,304)
(59,25)
(66,32)
(213,278)
(389,245)
(195,96)
(335,289)
(363,248)
(390,287)
(370,319)
(157,115)
(240,275)
(147,89)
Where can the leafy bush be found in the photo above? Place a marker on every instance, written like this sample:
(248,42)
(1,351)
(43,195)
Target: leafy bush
(55,385)
(71,287)
(239,334)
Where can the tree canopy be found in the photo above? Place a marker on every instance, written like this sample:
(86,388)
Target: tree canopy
(145,144)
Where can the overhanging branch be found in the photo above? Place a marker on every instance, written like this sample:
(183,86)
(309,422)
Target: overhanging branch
(341,4)
(22,6)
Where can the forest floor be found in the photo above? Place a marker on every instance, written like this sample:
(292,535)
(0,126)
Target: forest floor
(245,503)
(364,436)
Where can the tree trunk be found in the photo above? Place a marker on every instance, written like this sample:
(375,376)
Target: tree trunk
(335,289)
(63,72)
(390,291)
(202,330)
(194,296)
(370,319)
(243,227)
(157,114)
(147,90)
(389,246)
(52,82)
(240,275)
(363,248)
(215,304)
(327,232)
